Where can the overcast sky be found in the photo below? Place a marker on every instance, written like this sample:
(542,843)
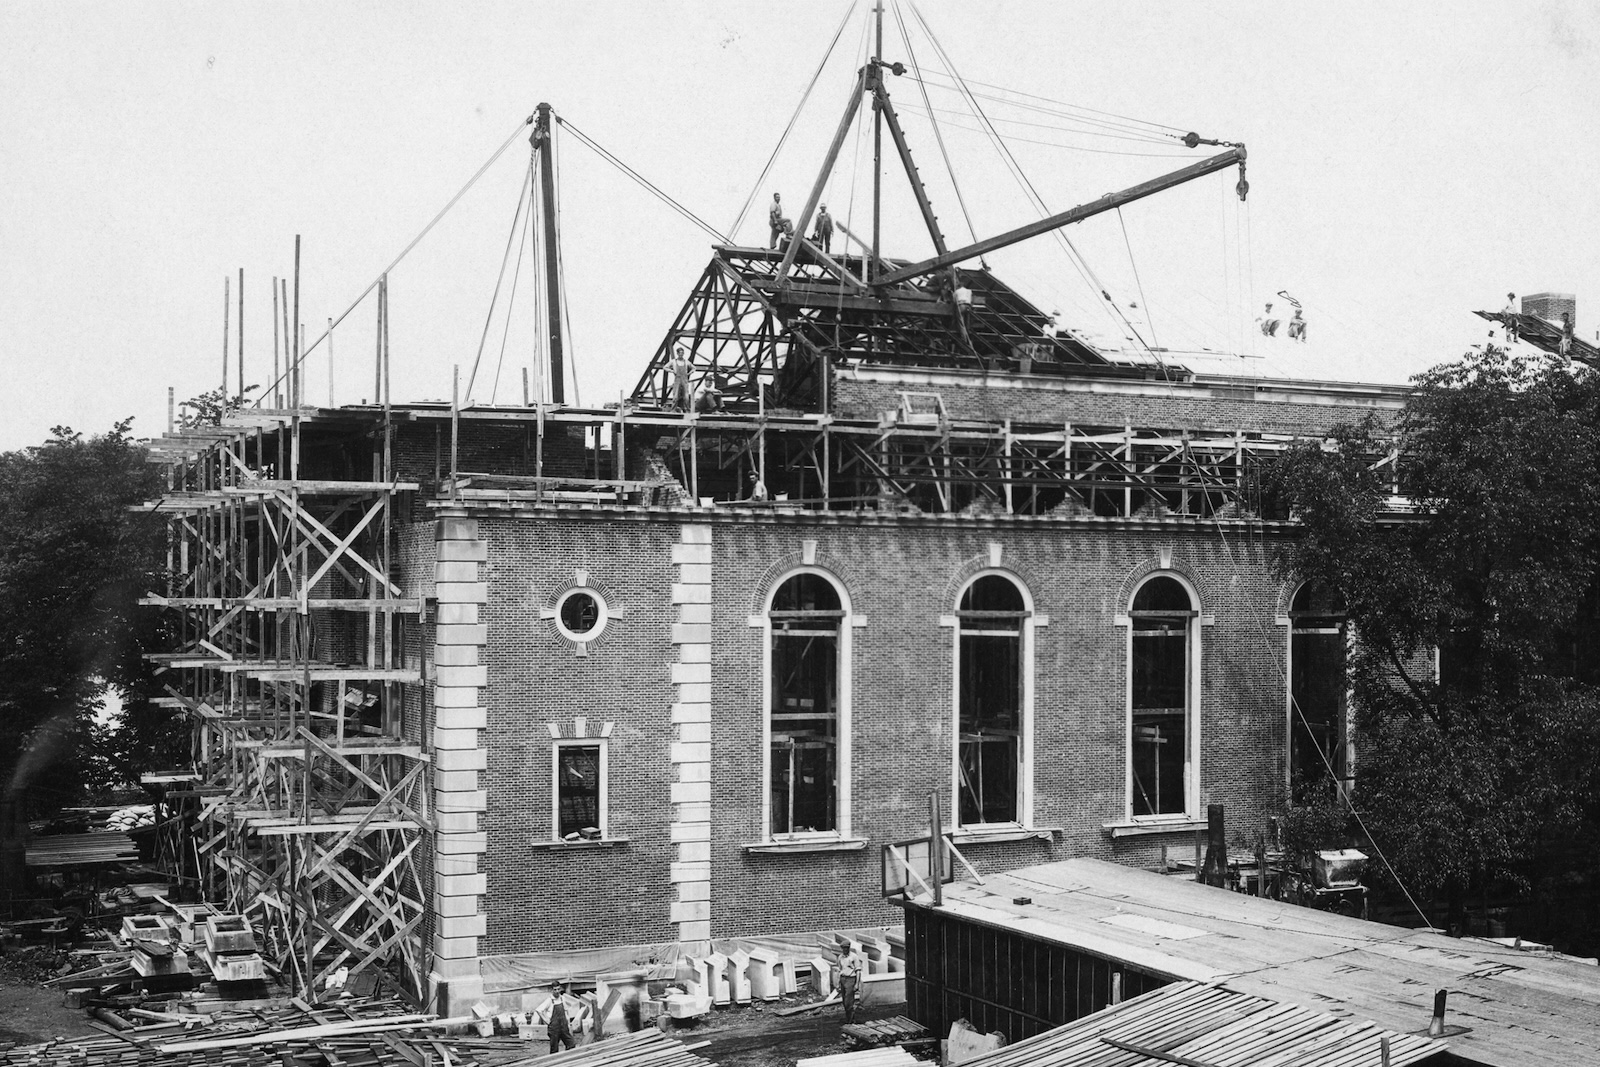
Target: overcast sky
(1407,163)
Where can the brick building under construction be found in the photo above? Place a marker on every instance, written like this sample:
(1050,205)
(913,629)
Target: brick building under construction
(477,686)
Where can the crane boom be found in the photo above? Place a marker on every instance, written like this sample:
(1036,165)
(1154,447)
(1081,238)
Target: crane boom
(1033,229)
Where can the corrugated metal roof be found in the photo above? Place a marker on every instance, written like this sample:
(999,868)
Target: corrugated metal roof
(1199,1024)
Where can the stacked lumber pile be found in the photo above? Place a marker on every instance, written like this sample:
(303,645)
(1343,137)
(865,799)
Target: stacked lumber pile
(885,1031)
(870,1057)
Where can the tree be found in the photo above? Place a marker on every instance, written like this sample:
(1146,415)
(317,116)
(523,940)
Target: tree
(73,562)
(1466,775)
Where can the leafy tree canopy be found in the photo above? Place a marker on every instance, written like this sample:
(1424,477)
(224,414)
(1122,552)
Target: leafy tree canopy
(1492,557)
(73,563)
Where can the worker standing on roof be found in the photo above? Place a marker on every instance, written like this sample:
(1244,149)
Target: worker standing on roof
(776,221)
(822,237)
(1510,314)
(681,397)
(1565,347)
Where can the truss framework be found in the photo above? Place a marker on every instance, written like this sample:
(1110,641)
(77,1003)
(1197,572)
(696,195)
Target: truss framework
(289,631)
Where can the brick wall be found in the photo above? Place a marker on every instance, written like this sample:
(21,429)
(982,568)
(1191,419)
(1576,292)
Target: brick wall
(901,578)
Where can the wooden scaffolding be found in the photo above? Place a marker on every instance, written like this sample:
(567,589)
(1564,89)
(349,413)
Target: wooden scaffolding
(290,642)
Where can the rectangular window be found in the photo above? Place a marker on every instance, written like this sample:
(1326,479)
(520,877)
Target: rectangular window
(1317,684)
(580,790)
(991,722)
(805,723)
(1160,715)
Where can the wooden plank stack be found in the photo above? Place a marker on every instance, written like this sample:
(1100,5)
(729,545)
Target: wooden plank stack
(885,1031)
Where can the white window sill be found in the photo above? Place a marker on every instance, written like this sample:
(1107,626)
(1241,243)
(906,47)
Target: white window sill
(808,844)
(557,846)
(1138,827)
(999,834)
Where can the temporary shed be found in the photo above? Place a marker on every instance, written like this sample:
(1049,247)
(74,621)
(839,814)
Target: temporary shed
(1039,946)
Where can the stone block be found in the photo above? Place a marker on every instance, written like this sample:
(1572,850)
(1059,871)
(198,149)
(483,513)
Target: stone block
(455,948)
(700,831)
(688,673)
(688,911)
(464,676)
(691,792)
(459,926)
(455,529)
(471,800)
(460,759)
(455,655)
(695,931)
(694,891)
(682,712)
(456,614)
(696,535)
(450,717)
(460,885)
(461,844)
(456,696)
(462,550)
(456,781)
(461,633)
(446,571)
(700,553)
(694,852)
(681,593)
(468,592)
(681,752)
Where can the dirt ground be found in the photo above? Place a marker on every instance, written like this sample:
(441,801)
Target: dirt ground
(29,1014)
(757,1037)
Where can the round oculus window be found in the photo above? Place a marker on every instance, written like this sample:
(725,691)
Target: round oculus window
(580,615)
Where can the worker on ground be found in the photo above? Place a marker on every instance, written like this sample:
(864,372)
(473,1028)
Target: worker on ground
(1510,314)
(681,396)
(851,969)
(560,1029)
(822,237)
(1297,327)
(779,225)
(1565,346)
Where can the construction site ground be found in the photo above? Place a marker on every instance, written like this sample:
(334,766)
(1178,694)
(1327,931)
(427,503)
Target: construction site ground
(759,1037)
(31,1013)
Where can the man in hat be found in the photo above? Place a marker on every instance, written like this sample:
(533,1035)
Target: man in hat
(560,1029)
(779,225)
(851,969)
(823,235)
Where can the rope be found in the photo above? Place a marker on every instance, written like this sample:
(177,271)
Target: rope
(911,53)
(1123,121)
(505,257)
(1094,129)
(511,299)
(1136,279)
(498,152)
(760,181)
(571,358)
(648,185)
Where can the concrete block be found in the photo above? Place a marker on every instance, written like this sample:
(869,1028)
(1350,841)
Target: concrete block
(455,948)
(456,614)
(455,865)
(689,753)
(694,852)
(694,692)
(695,613)
(695,931)
(455,655)
(468,676)
(460,885)
(690,872)
(450,717)
(462,550)
(456,696)
(467,905)
(454,571)
(691,553)
(691,792)
(694,772)
(695,652)
(693,812)
(462,634)
(700,831)
(682,712)
(470,592)
(461,844)
(688,673)
(688,911)
(455,529)
(460,759)
(692,733)
(455,781)
(456,821)
(687,633)
(681,593)
(461,926)
(694,891)
(696,535)
(692,574)
(472,800)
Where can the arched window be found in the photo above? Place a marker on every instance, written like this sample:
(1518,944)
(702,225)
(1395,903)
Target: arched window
(1163,683)
(991,697)
(1317,686)
(804,716)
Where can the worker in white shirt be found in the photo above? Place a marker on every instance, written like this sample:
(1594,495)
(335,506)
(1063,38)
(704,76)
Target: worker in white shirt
(851,969)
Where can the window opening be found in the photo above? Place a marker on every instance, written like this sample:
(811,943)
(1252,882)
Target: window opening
(1163,617)
(990,618)
(1317,686)
(580,785)
(806,617)
(580,615)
